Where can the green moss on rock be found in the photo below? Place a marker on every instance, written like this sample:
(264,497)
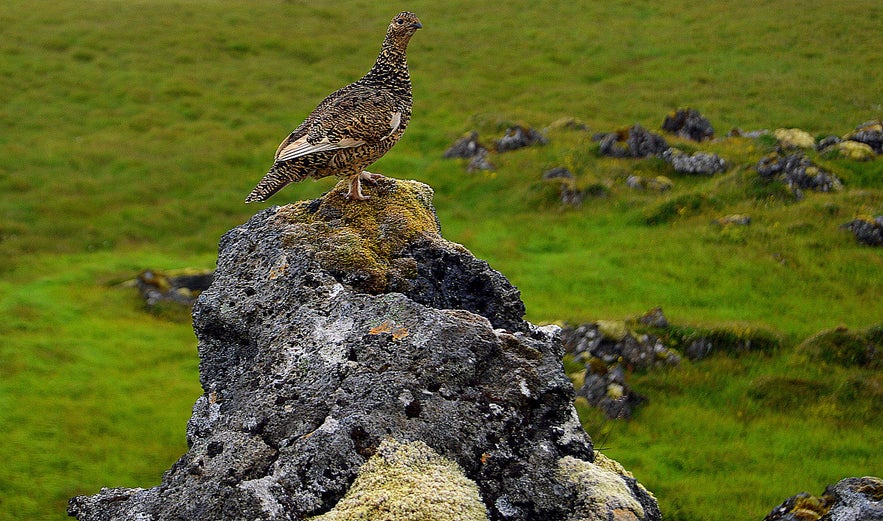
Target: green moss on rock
(409,482)
(364,240)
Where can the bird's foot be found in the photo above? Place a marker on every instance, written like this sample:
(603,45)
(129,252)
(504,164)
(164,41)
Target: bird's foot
(355,191)
(370,178)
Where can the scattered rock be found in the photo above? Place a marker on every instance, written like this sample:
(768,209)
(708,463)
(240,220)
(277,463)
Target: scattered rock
(701,163)
(607,348)
(688,123)
(635,141)
(869,133)
(568,124)
(558,173)
(654,318)
(180,287)
(518,137)
(850,499)
(480,162)
(855,150)
(605,388)
(466,147)
(868,230)
(798,172)
(751,134)
(737,219)
(350,355)
(659,183)
(794,138)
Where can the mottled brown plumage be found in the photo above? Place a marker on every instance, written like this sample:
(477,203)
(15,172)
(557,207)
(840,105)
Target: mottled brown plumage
(354,126)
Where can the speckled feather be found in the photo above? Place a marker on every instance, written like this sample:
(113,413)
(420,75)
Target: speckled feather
(354,126)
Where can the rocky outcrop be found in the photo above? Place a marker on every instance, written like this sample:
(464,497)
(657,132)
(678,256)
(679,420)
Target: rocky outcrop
(850,499)
(354,362)
(797,172)
(519,137)
(636,141)
(697,163)
(867,230)
(688,123)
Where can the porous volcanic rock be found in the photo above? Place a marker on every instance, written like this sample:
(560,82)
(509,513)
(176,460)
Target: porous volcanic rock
(348,346)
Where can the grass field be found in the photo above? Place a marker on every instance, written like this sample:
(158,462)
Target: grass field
(130,133)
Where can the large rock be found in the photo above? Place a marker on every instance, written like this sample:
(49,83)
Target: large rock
(355,363)
(850,499)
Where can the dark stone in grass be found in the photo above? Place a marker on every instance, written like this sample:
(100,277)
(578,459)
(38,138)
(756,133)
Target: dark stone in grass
(850,499)
(636,141)
(688,123)
(182,288)
(797,172)
(519,137)
(869,133)
(328,337)
(468,147)
(867,230)
(698,163)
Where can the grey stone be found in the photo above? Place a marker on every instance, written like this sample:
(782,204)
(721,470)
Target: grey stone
(318,345)
(688,123)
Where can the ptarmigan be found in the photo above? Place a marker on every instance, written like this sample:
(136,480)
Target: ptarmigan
(354,126)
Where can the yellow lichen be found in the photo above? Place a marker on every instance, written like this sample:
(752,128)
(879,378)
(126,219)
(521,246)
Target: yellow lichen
(602,490)
(794,137)
(612,329)
(409,482)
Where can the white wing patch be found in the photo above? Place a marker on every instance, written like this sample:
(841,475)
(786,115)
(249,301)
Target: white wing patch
(394,123)
(302,147)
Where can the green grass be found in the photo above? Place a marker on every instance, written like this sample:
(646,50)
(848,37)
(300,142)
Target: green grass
(130,132)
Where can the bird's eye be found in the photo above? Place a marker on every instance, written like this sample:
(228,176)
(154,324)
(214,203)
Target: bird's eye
(400,21)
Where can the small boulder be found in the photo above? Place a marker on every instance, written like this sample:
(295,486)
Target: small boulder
(856,150)
(850,499)
(688,123)
(698,163)
(736,219)
(869,133)
(466,147)
(636,141)
(659,183)
(867,230)
(798,172)
(794,138)
(519,137)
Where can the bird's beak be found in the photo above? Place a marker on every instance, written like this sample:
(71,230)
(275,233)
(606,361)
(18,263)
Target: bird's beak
(417,25)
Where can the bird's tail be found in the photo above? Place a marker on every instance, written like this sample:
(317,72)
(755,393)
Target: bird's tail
(276,179)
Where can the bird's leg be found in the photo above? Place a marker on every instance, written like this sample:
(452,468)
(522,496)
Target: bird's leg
(355,191)
(370,178)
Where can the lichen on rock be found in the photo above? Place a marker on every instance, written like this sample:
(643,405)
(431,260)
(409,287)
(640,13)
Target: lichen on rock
(333,326)
(409,482)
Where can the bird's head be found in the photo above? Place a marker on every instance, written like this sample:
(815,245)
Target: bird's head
(404,25)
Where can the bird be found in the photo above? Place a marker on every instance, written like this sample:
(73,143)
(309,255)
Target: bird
(352,127)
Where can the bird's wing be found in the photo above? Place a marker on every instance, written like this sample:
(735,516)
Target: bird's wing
(350,117)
